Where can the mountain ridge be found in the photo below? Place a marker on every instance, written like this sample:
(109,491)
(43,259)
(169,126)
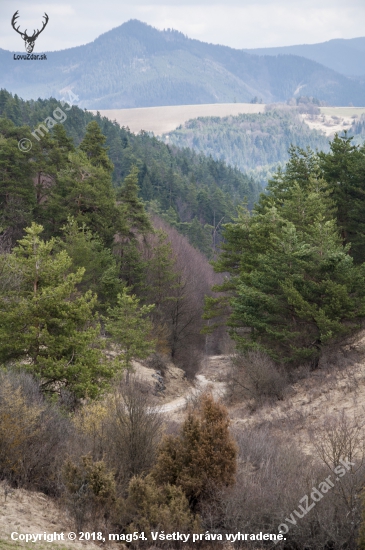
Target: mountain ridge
(135,65)
(345,56)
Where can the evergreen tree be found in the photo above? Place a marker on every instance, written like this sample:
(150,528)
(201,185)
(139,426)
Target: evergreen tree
(47,325)
(159,287)
(17,196)
(85,192)
(93,146)
(129,327)
(293,283)
(203,456)
(133,209)
(101,270)
(343,169)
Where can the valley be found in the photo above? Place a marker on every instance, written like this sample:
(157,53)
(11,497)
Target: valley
(162,120)
(182,291)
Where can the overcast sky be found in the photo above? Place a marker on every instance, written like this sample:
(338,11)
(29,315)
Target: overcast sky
(235,23)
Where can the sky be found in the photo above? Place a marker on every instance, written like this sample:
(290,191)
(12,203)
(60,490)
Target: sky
(234,23)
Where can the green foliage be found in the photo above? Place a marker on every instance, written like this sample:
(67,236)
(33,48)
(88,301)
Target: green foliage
(92,145)
(130,329)
(150,507)
(133,209)
(191,188)
(159,285)
(249,141)
(343,168)
(17,197)
(46,324)
(100,266)
(294,284)
(85,192)
(91,491)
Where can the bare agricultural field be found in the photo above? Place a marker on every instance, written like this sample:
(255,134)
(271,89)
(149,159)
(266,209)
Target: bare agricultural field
(161,120)
(343,111)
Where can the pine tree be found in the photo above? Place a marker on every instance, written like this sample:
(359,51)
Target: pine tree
(17,196)
(159,286)
(129,327)
(343,169)
(85,192)
(133,209)
(93,146)
(293,283)
(101,269)
(46,324)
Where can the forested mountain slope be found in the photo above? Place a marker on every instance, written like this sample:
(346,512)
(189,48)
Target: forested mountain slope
(249,141)
(135,65)
(191,190)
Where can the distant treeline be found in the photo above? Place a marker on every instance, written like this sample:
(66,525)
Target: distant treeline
(249,141)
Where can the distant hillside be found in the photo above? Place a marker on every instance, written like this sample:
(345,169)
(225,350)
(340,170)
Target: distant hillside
(344,56)
(249,141)
(135,65)
(161,120)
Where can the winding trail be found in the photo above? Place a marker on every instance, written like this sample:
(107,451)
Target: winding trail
(215,366)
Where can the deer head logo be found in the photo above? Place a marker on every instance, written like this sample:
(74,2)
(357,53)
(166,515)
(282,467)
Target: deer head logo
(28,40)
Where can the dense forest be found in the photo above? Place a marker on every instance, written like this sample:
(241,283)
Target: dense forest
(189,190)
(297,263)
(257,142)
(94,276)
(136,65)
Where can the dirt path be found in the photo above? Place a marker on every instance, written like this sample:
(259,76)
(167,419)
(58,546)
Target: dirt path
(211,376)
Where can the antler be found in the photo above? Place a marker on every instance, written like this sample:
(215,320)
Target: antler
(39,31)
(24,34)
(13,21)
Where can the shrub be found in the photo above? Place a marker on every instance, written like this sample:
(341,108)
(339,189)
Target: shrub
(34,435)
(157,362)
(124,429)
(151,507)
(90,491)
(273,478)
(204,453)
(133,430)
(255,376)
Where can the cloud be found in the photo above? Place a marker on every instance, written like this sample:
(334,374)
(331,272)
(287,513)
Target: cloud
(236,23)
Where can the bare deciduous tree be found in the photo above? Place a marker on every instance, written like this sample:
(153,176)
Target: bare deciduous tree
(133,430)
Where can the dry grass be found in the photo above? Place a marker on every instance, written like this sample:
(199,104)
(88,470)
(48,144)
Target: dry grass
(332,120)
(31,512)
(161,120)
(342,111)
(338,387)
